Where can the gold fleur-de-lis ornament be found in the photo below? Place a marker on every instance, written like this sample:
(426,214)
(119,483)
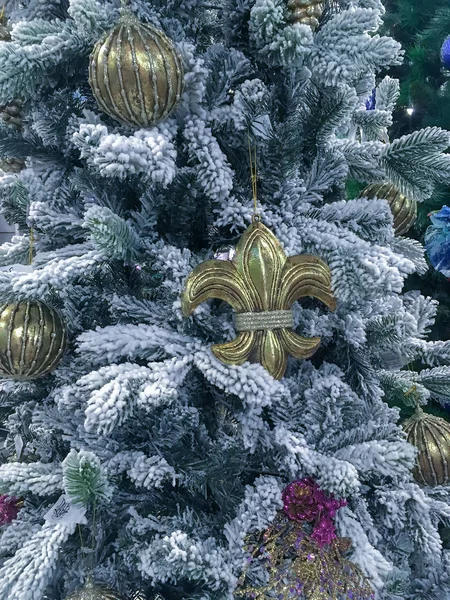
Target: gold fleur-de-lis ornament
(261,284)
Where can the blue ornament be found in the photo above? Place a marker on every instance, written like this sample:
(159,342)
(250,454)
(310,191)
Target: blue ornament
(437,241)
(372,100)
(445,53)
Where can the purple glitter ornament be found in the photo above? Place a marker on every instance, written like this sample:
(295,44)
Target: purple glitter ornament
(324,532)
(9,509)
(304,501)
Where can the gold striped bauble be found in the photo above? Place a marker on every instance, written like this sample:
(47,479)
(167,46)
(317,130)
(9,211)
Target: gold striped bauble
(403,209)
(136,73)
(33,338)
(10,113)
(306,12)
(92,591)
(431,435)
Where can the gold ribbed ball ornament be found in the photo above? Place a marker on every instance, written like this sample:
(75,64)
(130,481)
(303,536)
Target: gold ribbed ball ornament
(5,36)
(136,73)
(306,12)
(431,435)
(93,591)
(10,113)
(403,209)
(12,165)
(33,338)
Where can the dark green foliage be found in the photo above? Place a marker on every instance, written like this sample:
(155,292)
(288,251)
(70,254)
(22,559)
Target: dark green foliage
(422,27)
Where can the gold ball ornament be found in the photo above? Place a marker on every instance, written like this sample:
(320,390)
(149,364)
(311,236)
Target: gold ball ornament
(403,209)
(93,591)
(5,36)
(431,436)
(12,165)
(136,73)
(33,339)
(306,12)
(10,113)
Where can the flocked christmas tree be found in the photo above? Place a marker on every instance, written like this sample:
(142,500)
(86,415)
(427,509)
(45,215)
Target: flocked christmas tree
(145,461)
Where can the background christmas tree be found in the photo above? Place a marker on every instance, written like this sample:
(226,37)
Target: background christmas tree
(174,456)
(422,28)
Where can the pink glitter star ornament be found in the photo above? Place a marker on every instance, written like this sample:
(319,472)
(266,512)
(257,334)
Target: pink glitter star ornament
(9,508)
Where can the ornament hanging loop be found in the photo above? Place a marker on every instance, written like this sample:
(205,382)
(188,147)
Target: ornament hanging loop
(31,249)
(256,218)
(413,392)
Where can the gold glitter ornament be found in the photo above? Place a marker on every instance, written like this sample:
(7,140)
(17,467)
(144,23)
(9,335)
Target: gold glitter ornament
(306,12)
(136,73)
(403,209)
(298,567)
(33,338)
(92,591)
(261,284)
(431,436)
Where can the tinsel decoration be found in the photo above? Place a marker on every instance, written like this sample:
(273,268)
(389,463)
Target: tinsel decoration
(9,508)
(33,339)
(136,73)
(437,241)
(431,436)
(445,53)
(306,12)
(261,285)
(92,591)
(297,564)
(403,209)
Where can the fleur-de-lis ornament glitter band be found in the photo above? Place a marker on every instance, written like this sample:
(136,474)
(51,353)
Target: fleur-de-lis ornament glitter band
(261,284)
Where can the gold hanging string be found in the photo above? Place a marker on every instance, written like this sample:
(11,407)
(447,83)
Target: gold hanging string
(413,392)
(81,537)
(94,531)
(254,178)
(30,254)
(2,13)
